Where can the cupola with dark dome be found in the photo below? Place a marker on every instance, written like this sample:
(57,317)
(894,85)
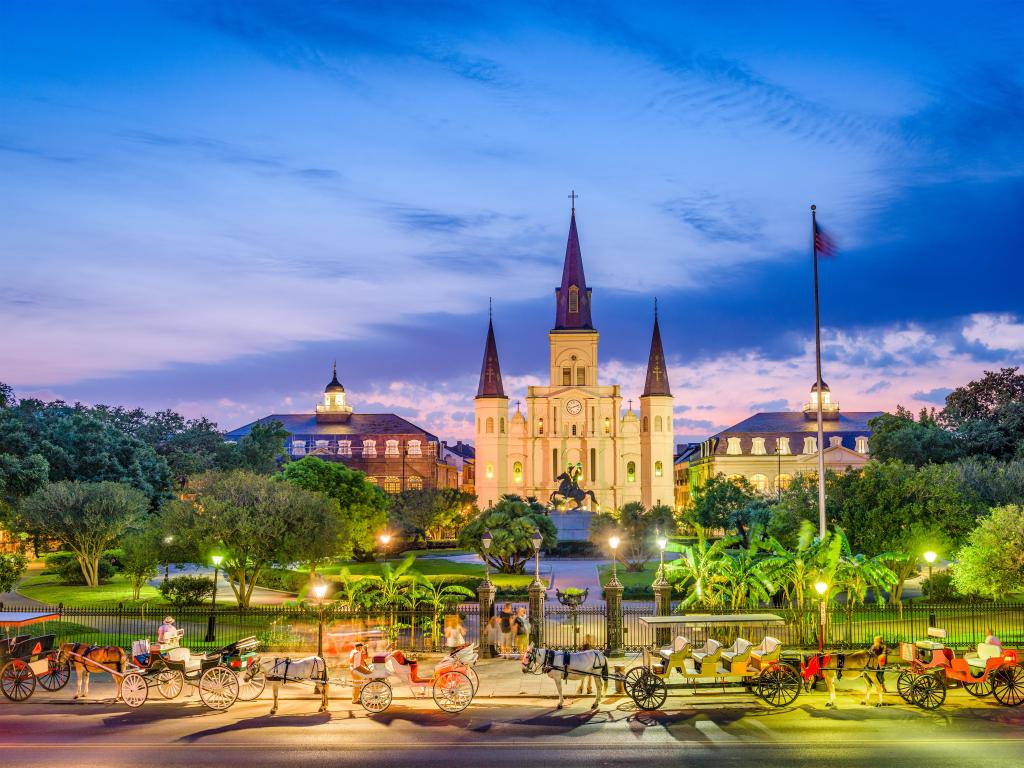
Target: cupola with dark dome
(334,407)
(829,410)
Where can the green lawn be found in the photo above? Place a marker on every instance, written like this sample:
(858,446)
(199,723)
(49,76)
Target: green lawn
(644,578)
(46,588)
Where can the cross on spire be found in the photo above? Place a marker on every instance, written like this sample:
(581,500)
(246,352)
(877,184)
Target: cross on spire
(572,196)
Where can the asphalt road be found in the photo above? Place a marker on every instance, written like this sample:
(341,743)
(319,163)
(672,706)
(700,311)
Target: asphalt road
(717,729)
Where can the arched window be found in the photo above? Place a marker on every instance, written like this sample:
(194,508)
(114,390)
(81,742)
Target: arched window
(390,447)
(782,482)
(501,425)
(734,448)
(631,472)
(574,430)
(862,444)
(759,483)
(607,425)
(372,481)
(489,425)
(757,447)
(658,424)
(392,484)
(489,471)
(540,426)
(645,424)
(574,299)
(414,483)
(517,472)
(659,469)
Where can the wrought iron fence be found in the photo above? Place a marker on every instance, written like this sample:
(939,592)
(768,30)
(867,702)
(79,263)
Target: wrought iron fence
(573,628)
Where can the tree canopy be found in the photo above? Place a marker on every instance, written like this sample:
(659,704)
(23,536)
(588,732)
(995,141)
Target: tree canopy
(729,504)
(897,436)
(362,506)
(638,528)
(87,518)
(415,514)
(992,561)
(512,523)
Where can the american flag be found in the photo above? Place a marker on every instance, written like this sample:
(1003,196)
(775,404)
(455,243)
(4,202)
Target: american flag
(823,244)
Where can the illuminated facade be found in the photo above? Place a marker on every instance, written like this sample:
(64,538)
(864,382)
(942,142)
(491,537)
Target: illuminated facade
(574,420)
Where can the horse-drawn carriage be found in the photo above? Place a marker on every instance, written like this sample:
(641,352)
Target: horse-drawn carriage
(933,666)
(452,683)
(27,659)
(758,668)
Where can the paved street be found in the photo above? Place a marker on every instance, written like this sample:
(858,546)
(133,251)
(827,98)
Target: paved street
(712,729)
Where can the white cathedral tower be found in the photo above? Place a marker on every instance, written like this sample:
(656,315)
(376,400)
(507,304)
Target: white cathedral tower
(575,423)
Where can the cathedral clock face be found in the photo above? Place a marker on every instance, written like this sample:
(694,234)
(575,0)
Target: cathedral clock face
(573,407)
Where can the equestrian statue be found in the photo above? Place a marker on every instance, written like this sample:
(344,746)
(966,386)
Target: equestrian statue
(569,489)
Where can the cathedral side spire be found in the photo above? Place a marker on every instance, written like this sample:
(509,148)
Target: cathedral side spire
(490,372)
(572,297)
(657,373)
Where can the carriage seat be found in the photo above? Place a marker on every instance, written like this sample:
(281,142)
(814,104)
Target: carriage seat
(710,648)
(184,656)
(679,644)
(985,651)
(739,651)
(768,650)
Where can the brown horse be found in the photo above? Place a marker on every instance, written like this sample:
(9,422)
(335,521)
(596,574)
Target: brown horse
(833,666)
(109,656)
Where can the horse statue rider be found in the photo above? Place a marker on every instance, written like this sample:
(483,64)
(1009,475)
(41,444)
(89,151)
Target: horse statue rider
(569,488)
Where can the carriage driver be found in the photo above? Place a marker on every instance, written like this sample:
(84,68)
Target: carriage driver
(167,636)
(359,668)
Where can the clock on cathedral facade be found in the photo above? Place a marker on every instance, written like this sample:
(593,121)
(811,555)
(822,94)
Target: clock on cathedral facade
(575,421)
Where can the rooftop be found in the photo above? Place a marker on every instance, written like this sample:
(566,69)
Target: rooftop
(358,424)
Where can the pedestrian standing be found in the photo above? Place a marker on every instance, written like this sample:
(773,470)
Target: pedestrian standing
(521,630)
(454,633)
(359,669)
(493,635)
(506,628)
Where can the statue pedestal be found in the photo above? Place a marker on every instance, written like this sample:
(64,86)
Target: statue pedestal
(573,525)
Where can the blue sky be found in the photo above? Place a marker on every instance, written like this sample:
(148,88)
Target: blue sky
(205,203)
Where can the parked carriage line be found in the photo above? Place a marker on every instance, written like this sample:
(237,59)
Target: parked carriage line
(924,671)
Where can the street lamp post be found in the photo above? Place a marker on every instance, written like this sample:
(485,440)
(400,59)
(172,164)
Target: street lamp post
(537,540)
(319,590)
(613,542)
(929,557)
(485,598)
(662,543)
(167,563)
(821,588)
(385,540)
(486,540)
(211,626)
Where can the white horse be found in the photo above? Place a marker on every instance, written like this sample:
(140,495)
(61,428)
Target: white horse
(310,669)
(568,665)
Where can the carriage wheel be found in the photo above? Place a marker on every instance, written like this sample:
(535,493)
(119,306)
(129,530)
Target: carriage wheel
(649,691)
(170,683)
(453,691)
(980,690)
(58,673)
(779,685)
(134,690)
(218,688)
(928,691)
(474,678)
(1008,685)
(905,686)
(251,683)
(631,677)
(17,680)
(375,696)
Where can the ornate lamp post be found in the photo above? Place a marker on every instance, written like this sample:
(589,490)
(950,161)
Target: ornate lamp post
(614,542)
(486,540)
(662,543)
(211,626)
(662,592)
(485,598)
(536,593)
(167,563)
(821,588)
(537,540)
(930,557)
(319,590)
(385,540)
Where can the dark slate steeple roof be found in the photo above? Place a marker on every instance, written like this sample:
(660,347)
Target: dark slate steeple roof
(490,371)
(657,373)
(334,385)
(572,275)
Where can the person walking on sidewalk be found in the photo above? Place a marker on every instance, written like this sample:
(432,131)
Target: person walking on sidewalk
(521,630)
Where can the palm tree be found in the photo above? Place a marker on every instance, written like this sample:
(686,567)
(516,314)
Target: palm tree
(700,565)
(857,573)
(440,597)
(390,590)
(744,577)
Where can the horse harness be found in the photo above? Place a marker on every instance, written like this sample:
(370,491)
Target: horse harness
(549,664)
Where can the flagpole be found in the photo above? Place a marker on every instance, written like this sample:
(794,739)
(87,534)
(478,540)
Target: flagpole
(817,362)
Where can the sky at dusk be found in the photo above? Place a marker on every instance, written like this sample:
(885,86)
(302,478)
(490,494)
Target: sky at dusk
(204,204)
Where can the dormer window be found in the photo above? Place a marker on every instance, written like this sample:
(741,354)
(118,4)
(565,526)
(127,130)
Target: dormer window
(415,448)
(298,447)
(734,448)
(758,449)
(782,446)
(344,447)
(862,444)
(835,442)
(574,299)
(369,447)
(810,445)
(390,447)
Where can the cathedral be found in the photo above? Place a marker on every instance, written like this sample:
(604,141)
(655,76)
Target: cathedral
(575,425)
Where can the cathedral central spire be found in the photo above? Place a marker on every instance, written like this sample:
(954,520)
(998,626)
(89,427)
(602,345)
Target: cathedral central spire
(657,374)
(572,297)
